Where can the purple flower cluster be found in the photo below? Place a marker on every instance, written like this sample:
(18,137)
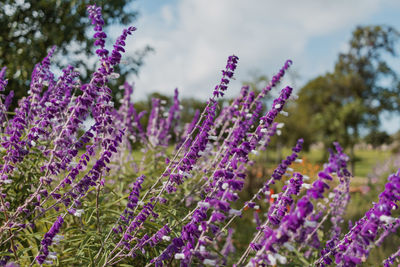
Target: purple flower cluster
(284,165)
(16,147)
(227,178)
(232,111)
(341,193)
(90,179)
(284,200)
(100,35)
(190,234)
(7,101)
(198,145)
(161,123)
(40,77)
(356,244)
(133,199)
(188,129)
(48,240)
(226,75)
(137,221)
(288,228)
(173,117)
(266,186)
(277,78)
(56,117)
(161,234)
(3,82)
(389,261)
(97,97)
(158,237)
(277,107)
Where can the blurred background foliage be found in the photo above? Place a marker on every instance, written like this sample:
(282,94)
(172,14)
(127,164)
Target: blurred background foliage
(342,104)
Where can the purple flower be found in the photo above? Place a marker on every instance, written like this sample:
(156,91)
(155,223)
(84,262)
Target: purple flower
(48,240)
(226,75)
(356,244)
(133,199)
(279,208)
(3,82)
(391,259)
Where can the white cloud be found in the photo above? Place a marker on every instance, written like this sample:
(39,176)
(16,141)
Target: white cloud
(192,39)
(167,14)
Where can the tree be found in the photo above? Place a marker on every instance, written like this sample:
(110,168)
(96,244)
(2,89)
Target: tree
(377,138)
(360,88)
(297,125)
(30,28)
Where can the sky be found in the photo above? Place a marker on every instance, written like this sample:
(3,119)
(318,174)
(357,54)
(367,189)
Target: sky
(193,38)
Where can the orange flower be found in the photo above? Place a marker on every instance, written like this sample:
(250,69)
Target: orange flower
(271,199)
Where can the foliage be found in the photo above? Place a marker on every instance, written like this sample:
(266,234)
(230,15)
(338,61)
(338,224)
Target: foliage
(377,138)
(164,192)
(338,105)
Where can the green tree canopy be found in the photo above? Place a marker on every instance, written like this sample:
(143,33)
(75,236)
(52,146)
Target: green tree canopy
(377,138)
(350,99)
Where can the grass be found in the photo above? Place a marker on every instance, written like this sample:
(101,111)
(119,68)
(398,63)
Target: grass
(365,160)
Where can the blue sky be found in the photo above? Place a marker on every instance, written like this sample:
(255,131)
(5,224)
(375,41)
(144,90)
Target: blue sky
(193,38)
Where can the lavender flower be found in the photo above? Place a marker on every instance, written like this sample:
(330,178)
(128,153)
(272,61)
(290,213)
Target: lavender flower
(188,129)
(8,100)
(3,82)
(48,240)
(226,75)
(389,261)
(279,208)
(355,245)
(100,35)
(228,247)
(133,199)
